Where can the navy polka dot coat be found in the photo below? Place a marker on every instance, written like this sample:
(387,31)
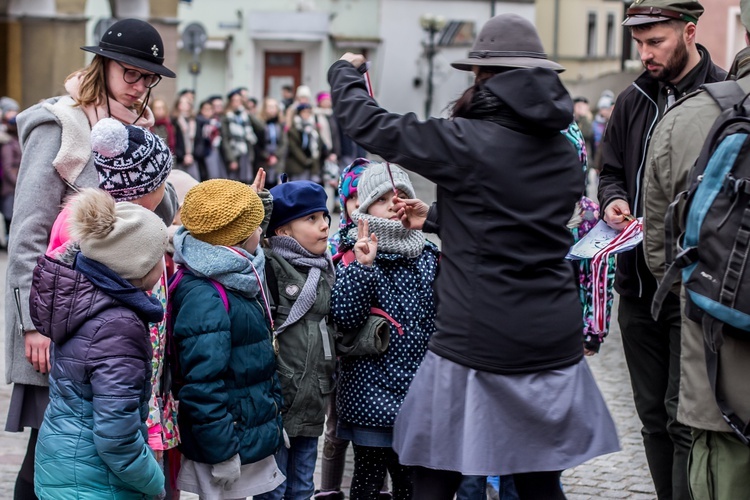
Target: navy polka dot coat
(371,388)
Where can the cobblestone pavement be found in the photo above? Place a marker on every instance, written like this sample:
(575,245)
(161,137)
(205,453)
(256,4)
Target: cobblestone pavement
(618,475)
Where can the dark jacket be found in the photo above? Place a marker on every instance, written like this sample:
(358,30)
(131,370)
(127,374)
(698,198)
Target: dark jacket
(505,192)
(372,388)
(93,442)
(306,376)
(624,149)
(231,399)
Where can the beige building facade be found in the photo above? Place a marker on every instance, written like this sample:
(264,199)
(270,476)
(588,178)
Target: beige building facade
(585,36)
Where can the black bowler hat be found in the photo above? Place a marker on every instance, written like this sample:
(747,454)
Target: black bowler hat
(133,42)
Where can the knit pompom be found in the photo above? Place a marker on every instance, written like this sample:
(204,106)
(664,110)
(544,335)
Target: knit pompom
(92,214)
(109,138)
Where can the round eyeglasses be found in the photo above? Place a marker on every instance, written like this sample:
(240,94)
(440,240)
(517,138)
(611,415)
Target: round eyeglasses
(150,80)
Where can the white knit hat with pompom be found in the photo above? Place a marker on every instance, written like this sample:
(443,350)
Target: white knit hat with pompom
(130,160)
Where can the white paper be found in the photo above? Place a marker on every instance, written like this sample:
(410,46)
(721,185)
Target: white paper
(598,238)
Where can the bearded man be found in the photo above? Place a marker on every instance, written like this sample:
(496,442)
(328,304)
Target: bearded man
(675,65)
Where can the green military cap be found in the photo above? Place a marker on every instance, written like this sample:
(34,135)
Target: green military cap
(656,11)
(745,13)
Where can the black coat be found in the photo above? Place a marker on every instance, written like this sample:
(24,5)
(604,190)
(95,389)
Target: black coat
(507,301)
(624,149)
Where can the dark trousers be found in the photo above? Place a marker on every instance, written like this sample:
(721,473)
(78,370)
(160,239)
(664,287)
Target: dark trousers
(442,484)
(24,489)
(652,353)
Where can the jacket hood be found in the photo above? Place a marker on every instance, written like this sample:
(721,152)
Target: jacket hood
(62,300)
(241,271)
(536,95)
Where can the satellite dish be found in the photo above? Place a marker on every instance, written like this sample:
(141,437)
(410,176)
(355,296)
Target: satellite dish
(194,38)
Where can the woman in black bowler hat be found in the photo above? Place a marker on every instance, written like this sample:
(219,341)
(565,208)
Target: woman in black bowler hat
(56,162)
(503,388)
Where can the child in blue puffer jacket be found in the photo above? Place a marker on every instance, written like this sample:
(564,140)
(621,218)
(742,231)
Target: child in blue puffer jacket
(91,302)
(230,398)
(392,272)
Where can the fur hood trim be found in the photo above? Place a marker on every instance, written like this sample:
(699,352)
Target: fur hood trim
(75,147)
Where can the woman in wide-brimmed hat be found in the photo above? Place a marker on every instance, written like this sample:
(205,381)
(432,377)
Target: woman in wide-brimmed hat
(57,161)
(503,388)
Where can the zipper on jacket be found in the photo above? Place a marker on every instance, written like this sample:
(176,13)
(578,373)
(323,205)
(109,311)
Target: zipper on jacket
(17,296)
(638,178)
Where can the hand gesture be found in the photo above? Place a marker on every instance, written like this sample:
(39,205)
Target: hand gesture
(37,351)
(412,213)
(355,60)
(617,214)
(366,246)
(259,183)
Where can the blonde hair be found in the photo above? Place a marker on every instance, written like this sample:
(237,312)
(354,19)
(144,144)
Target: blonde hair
(263,113)
(92,88)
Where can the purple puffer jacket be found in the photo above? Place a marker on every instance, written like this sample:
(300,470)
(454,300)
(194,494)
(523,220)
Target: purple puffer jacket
(93,441)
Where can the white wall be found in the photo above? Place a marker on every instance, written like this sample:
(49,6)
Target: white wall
(401,58)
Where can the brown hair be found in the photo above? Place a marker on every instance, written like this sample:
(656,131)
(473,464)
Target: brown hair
(461,105)
(176,108)
(93,83)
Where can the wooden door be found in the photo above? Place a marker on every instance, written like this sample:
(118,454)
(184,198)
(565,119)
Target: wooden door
(281,68)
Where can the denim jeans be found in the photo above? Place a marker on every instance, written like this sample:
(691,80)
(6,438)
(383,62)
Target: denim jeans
(472,488)
(298,465)
(475,488)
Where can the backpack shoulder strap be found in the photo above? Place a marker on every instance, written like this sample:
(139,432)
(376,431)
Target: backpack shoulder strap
(348,257)
(175,280)
(273,285)
(222,293)
(177,277)
(726,94)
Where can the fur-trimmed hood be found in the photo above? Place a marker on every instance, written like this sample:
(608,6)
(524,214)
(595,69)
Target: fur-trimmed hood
(75,148)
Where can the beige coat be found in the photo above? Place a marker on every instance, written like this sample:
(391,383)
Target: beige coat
(675,145)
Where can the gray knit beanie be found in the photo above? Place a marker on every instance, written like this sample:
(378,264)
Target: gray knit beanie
(375,182)
(127,238)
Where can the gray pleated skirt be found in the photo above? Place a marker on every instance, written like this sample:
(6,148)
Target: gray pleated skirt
(27,406)
(480,423)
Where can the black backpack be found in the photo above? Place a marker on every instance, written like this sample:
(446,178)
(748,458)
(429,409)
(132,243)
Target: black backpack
(712,252)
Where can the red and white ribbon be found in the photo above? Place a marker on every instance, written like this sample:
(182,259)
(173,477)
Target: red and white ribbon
(600,271)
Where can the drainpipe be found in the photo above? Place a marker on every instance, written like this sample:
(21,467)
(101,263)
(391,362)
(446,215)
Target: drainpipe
(556,31)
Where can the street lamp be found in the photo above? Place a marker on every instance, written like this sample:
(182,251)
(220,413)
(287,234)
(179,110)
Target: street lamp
(432,25)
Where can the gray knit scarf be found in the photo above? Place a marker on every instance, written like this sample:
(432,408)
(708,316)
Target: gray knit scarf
(290,250)
(393,237)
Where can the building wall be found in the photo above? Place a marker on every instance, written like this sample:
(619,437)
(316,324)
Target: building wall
(720,30)
(240,34)
(586,53)
(401,68)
